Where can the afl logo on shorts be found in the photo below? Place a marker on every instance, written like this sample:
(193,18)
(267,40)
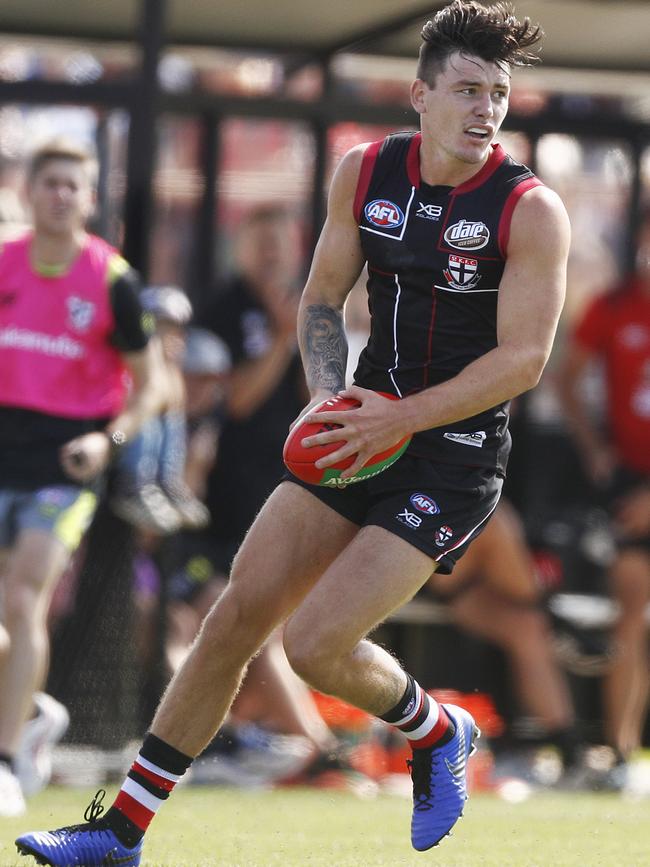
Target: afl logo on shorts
(467,235)
(424,504)
(385,214)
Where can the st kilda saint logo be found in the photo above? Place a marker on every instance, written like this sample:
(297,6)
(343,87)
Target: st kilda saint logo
(462,273)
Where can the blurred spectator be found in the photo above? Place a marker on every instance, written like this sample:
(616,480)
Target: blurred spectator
(615,330)
(150,489)
(255,315)
(71,328)
(206,370)
(493,593)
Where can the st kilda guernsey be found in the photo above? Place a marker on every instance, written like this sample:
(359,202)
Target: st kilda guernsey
(436,255)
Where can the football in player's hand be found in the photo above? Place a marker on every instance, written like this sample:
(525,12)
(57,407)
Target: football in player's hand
(301,461)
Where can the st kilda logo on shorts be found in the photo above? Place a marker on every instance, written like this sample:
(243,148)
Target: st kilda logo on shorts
(467,235)
(384,214)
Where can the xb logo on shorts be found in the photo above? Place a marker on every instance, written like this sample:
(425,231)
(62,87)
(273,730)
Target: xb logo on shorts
(424,504)
(443,535)
(385,214)
(409,518)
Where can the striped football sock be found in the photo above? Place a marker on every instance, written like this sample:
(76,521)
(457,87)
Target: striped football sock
(147,786)
(420,718)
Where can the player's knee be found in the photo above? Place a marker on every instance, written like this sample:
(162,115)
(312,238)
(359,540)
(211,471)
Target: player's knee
(235,619)
(308,658)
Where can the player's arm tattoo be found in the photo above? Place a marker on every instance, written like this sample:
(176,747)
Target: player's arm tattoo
(325,348)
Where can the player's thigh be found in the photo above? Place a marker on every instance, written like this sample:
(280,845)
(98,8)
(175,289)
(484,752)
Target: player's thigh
(49,525)
(291,543)
(35,563)
(375,574)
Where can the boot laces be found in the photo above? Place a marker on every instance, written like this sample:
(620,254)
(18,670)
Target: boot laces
(422,767)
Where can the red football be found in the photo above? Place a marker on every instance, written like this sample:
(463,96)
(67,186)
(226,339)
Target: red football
(302,461)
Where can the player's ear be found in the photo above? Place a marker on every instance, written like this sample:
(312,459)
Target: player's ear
(419,90)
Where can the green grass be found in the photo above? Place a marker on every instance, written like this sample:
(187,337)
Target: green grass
(308,828)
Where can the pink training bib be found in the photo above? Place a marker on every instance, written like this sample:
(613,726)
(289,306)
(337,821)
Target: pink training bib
(55,355)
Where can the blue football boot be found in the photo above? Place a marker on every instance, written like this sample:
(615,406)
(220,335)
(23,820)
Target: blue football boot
(89,845)
(439,784)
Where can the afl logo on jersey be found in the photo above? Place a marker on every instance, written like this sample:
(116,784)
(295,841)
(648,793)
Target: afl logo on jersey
(385,214)
(467,235)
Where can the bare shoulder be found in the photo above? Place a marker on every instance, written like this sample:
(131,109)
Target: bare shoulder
(346,177)
(350,164)
(540,215)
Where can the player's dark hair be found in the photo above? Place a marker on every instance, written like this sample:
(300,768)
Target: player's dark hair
(489,32)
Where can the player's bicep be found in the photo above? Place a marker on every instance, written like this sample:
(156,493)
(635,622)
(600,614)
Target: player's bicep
(533,286)
(338,258)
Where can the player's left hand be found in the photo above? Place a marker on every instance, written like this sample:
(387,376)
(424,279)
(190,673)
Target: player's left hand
(374,426)
(633,514)
(84,457)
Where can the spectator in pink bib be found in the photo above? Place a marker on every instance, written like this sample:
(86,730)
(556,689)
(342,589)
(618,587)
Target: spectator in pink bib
(76,383)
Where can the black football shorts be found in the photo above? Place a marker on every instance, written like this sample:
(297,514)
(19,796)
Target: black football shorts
(438,508)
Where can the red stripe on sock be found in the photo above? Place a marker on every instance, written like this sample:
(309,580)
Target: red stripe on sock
(161,782)
(430,739)
(134,810)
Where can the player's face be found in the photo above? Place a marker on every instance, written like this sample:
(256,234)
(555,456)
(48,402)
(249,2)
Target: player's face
(61,197)
(463,112)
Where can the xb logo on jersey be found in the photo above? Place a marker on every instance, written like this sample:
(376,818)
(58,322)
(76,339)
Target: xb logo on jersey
(385,214)
(462,273)
(428,212)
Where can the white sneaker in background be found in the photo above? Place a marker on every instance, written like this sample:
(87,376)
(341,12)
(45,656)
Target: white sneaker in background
(33,762)
(12,802)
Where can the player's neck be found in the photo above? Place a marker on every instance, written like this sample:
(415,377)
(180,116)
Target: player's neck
(439,168)
(55,250)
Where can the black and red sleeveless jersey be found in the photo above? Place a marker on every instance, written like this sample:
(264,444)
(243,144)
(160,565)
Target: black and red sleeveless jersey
(435,257)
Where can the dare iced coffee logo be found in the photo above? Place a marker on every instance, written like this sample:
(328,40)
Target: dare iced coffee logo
(467,235)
